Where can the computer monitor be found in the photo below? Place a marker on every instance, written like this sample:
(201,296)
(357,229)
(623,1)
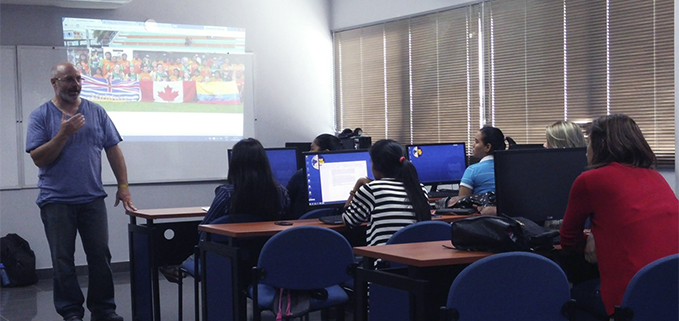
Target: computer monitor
(332,175)
(526,146)
(442,163)
(283,163)
(535,183)
(301,148)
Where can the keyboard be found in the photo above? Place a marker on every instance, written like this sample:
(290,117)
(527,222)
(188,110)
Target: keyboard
(455,211)
(332,219)
(442,193)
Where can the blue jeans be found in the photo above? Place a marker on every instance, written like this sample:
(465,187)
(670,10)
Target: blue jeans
(62,222)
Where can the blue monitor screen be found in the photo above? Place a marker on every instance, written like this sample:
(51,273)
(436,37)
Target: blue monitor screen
(438,163)
(332,175)
(283,163)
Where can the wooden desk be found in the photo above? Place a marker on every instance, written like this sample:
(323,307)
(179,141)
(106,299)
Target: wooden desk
(425,254)
(222,266)
(149,249)
(419,257)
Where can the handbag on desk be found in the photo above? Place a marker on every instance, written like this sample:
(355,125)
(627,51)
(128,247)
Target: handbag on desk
(500,234)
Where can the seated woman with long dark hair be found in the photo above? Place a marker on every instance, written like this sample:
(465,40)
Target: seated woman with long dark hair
(250,186)
(395,199)
(250,190)
(633,210)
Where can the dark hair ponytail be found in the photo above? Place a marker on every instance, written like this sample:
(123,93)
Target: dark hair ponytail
(328,142)
(388,157)
(494,137)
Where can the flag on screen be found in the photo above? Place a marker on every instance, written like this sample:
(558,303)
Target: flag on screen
(222,92)
(110,90)
(168,91)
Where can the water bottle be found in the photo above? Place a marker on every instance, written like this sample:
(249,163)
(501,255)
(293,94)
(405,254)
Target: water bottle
(3,275)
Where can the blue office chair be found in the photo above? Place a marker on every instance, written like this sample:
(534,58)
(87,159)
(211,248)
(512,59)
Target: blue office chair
(328,211)
(304,258)
(391,304)
(508,286)
(192,268)
(653,293)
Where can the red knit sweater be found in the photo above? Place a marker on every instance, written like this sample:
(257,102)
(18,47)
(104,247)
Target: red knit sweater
(635,220)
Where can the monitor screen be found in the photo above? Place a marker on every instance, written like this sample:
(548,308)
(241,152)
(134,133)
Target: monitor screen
(283,163)
(438,163)
(526,146)
(301,148)
(535,183)
(332,175)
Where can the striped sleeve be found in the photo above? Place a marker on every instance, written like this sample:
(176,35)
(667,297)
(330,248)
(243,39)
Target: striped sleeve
(361,205)
(384,204)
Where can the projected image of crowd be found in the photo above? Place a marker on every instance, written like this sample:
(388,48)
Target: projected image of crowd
(157,66)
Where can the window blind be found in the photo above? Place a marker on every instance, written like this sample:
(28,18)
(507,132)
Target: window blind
(519,65)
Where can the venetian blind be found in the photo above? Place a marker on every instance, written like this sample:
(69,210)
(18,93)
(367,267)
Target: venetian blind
(519,65)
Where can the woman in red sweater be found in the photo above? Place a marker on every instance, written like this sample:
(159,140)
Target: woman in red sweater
(634,212)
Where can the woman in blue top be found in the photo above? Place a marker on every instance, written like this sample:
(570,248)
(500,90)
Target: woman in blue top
(480,177)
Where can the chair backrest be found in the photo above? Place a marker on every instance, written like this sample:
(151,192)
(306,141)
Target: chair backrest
(391,304)
(510,286)
(305,258)
(653,292)
(424,231)
(320,212)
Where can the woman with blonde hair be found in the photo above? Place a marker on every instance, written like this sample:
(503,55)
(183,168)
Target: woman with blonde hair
(564,134)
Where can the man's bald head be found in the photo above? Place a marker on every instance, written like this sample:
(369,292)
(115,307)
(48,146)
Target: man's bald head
(62,68)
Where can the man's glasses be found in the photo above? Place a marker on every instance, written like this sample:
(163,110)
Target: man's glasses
(70,79)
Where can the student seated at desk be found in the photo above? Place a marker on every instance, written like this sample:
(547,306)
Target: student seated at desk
(250,189)
(395,199)
(564,134)
(480,177)
(297,186)
(634,212)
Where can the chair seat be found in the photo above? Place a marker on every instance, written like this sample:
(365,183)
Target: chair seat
(336,296)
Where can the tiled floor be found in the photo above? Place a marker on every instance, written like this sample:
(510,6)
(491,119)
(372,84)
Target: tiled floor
(35,302)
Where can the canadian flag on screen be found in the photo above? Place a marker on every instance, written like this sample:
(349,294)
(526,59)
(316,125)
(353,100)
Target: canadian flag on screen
(168,91)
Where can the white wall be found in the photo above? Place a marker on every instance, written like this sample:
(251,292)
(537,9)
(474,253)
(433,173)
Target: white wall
(351,13)
(293,67)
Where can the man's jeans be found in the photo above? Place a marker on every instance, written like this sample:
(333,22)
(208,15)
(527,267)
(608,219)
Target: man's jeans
(62,222)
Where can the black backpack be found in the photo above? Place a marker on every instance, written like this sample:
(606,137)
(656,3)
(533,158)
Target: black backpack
(19,260)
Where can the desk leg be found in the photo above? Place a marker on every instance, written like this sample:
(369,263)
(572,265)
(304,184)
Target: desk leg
(140,273)
(153,264)
(221,294)
(417,297)
(361,289)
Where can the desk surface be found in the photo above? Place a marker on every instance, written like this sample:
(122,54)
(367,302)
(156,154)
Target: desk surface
(257,229)
(425,254)
(269,228)
(160,213)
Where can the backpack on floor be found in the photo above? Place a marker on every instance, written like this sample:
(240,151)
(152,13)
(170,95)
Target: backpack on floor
(19,260)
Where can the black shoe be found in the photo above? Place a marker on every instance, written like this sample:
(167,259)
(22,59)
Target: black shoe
(74,318)
(172,273)
(109,317)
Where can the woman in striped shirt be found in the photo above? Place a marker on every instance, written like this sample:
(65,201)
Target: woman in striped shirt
(393,200)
